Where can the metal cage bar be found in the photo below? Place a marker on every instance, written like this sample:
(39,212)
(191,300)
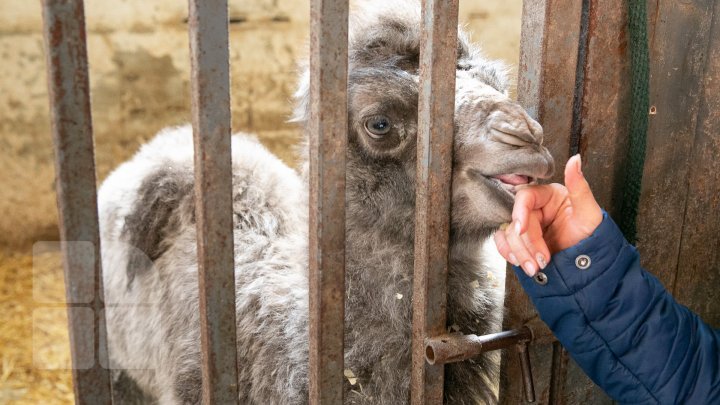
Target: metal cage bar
(210,82)
(68,85)
(328,132)
(438,56)
(549,44)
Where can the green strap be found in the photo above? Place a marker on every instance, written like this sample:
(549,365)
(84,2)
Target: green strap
(635,160)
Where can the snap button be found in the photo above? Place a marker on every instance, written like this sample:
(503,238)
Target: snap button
(541,278)
(582,262)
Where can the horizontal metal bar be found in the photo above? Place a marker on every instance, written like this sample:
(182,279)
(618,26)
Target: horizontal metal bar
(328,142)
(438,59)
(64,31)
(208,21)
(452,348)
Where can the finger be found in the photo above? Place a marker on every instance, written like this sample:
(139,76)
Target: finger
(551,210)
(584,204)
(528,199)
(504,248)
(520,251)
(548,198)
(535,240)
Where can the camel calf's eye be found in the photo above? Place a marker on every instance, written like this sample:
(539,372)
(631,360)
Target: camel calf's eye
(377,126)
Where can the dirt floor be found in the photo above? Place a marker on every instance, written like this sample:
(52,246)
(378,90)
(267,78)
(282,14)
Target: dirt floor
(34,351)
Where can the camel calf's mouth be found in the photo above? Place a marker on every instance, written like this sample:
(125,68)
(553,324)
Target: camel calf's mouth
(511,183)
(513,179)
(508,183)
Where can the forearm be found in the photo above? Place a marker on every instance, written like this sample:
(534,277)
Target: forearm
(622,327)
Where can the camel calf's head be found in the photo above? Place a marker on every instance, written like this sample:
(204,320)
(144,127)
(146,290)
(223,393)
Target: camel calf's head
(497,145)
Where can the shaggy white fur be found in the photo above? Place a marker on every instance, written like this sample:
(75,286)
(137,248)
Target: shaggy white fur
(153,320)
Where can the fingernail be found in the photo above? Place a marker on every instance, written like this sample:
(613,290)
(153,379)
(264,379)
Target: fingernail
(579,167)
(529,268)
(541,261)
(504,226)
(517,227)
(513,260)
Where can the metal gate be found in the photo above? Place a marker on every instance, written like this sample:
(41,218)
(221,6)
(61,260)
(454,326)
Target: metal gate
(573,61)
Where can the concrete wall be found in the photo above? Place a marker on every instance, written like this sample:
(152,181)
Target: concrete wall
(139,69)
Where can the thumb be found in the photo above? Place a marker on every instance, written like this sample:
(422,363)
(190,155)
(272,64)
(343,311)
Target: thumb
(581,197)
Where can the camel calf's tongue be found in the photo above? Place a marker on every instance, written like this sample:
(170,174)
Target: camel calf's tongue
(514,179)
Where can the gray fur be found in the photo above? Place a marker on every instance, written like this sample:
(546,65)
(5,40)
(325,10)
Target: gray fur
(152,314)
(165,198)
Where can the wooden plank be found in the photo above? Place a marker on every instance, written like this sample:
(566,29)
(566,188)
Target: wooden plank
(328,143)
(213,193)
(678,53)
(698,275)
(436,111)
(546,88)
(69,88)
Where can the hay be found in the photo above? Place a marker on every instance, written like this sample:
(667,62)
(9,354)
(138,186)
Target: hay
(34,347)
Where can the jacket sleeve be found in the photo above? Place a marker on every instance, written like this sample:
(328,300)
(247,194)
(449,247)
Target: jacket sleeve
(620,325)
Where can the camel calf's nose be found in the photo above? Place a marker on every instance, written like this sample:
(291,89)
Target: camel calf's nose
(510,121)
(512,125)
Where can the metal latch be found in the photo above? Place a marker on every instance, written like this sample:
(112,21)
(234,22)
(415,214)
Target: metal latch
(456,347)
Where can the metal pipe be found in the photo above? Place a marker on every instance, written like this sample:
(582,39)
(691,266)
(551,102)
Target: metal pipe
(436,110)
(558,374)
(456,347)
(528,384)
(69,88)
(210,82)
(327,131)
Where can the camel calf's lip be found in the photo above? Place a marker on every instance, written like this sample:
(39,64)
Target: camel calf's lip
(507,183)
(514,179)
(511,183)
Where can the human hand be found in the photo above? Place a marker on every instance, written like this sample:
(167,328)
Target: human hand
(549,218)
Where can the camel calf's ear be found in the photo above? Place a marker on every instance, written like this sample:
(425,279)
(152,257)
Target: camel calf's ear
(164,203)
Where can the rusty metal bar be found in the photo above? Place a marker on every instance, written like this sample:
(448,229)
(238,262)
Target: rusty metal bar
(527,378)
(438,58)
(452,348)
(208,21)
(328,132)
(547,86)
(558,375)
(572,66)
(68,84)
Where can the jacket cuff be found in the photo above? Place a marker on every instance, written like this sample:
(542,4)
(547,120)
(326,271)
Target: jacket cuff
(572,269)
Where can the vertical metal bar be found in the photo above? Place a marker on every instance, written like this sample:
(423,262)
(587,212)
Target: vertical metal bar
(551,37)
(68,84)
(527,377)
(328,132)
(438,58)
(208,22)
(572,63)
(600,124)
(558,374)
(549,47)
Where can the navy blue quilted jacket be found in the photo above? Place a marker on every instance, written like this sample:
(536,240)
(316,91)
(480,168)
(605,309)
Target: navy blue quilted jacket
(620,325)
